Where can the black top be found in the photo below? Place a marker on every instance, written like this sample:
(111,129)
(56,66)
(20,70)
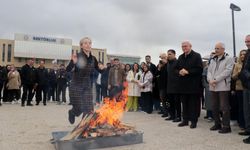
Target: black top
(173,77)
(191,83)
(42,76)
(28,75)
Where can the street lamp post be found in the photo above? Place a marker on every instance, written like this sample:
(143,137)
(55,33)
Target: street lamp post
(233,7)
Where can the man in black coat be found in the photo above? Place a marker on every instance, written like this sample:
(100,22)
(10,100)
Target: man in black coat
(52,84)
(172,87)
(245,79)
(5,89)
(153,70)
(189,67)
(42,77)
(28,77)
(104,80)
(3,78)
(62,80)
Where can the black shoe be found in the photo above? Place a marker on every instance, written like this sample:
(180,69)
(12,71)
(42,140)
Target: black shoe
(225,130)
(244,133)
(164,115)
(0,104)
(160,112)
(215,127)
(169,118)
(193,125)
(37,103)
(29,104)
(182,124)
(44,104)
(71,118)
(247,140)
(177,120)
(22,105)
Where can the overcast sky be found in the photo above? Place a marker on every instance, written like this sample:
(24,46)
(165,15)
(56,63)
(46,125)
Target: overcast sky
(132,27)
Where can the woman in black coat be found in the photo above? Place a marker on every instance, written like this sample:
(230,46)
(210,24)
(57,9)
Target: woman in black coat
(80,92)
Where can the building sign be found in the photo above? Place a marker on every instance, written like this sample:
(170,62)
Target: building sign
(30,46)
(36,38)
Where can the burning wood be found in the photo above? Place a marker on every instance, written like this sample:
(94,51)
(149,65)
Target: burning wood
(105,121)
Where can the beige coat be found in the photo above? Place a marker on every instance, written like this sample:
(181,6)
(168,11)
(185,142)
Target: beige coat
(235,76)
(133,88)
(14,80)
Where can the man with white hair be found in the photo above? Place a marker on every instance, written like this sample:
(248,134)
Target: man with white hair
(219,78)
(189,68)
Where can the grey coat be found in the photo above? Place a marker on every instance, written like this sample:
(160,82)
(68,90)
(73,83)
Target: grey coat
(220,69)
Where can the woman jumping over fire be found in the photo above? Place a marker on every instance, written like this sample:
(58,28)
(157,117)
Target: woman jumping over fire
(81,65)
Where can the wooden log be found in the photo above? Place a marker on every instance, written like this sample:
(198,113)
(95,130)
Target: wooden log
(82,127)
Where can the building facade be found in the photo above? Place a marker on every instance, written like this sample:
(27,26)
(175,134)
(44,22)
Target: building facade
(125,59)
(53,51)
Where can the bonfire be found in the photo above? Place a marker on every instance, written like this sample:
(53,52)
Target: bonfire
(105,121)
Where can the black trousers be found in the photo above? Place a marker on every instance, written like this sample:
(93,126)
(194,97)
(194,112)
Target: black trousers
(190,107)
(5,93)
(98,93)
(104,91)
(147,102)
(165,103)
(41,92)
(27,93)
(13,94)
(52,91)
(115,91)
(241,119)
(1,88)
(61,89)
(175,105)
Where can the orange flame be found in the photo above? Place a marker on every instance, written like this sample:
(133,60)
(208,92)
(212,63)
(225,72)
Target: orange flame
(112,110)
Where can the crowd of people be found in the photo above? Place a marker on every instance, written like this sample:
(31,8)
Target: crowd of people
(178,88)
(21,85)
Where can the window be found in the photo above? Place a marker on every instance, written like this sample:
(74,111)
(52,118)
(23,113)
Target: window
(102,57)
(9,53)
(37,61)
(99,58)
(3,53)
(19,59)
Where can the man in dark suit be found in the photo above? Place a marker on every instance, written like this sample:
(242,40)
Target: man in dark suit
(28,77)
(3,78)
(42,83)
(245,76)
(189,67)
(152,67)
(153,70)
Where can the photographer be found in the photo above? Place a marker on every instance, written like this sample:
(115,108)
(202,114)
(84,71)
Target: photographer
(162,84)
